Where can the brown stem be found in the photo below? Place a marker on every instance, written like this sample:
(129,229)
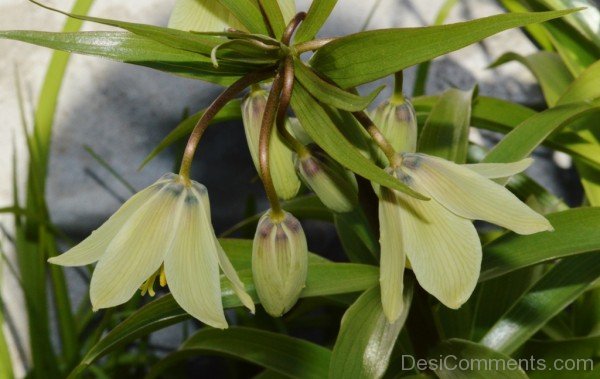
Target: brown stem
(211,112)
(284,102)
(266,128)
(377,136)
(291,28)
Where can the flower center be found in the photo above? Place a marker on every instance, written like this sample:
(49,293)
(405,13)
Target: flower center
(148,286)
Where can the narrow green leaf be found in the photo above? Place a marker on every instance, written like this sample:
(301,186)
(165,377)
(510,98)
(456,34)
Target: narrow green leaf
(577,52)
(316,16)
(363,57)
(330,94)
(529,134)
(485,362)
(131,48)
(321,129)
(248,13)
(358,240)
(548,68)
(231,111)
(6,370)
(585,87)
(446,131)
(366,338)
(558,288)
(171,37)
(274,15)
(286,355)
(576,232)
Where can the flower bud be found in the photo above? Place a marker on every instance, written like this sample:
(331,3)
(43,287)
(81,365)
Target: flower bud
(279,262)
(398,123)
(284,176)
(334,185)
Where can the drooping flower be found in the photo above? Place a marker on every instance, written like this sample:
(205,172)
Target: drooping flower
(163,231)
(437,236)
(279,262)
(397,121)
(334,185)
(284,176)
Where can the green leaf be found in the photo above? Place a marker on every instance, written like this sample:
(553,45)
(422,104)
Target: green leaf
(548,68)
(248,13)
(330,94)
(6,370)
(358,240)
(585,87)
(577,52)
(171,37)
(323,279)
(316,16)
(231,111)
(529,134)
(485,363)
(576,232)
(286,355)
(446,131)
(322,130)
(274,15)
(366,338)
(363,57)
(131,48)
(558,288)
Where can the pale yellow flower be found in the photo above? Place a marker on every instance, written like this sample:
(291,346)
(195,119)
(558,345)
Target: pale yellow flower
(164,230)
(437,237)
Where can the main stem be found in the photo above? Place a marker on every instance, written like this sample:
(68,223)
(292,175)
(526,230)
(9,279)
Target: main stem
(210,113)
(377,136)
(284,102)
(266,128)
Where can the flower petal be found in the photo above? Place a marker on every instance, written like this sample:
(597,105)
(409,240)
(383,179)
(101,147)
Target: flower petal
(91,249)
(391,275)
(228,269)
(443,249)
(192,267)
(499,170)
(470,195)
(138,249)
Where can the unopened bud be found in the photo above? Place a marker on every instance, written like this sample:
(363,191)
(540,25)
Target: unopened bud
(334,185)
(398,123)
(285,180)
(279,262)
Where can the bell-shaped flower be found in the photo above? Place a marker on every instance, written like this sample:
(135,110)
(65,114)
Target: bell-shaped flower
(279,262)
(397,121)
(437,237)
(281,160)
(163,231)
(334,185)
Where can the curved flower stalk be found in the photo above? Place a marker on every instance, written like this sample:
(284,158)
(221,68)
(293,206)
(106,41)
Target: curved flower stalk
(163,231)
(437,238)
(279,262)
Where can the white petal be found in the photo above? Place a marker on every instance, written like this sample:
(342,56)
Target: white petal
(443,249)
(91,249)
(138,249)
(470,195)
(192,267)
(224,263)
(499,170)
(391,275)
